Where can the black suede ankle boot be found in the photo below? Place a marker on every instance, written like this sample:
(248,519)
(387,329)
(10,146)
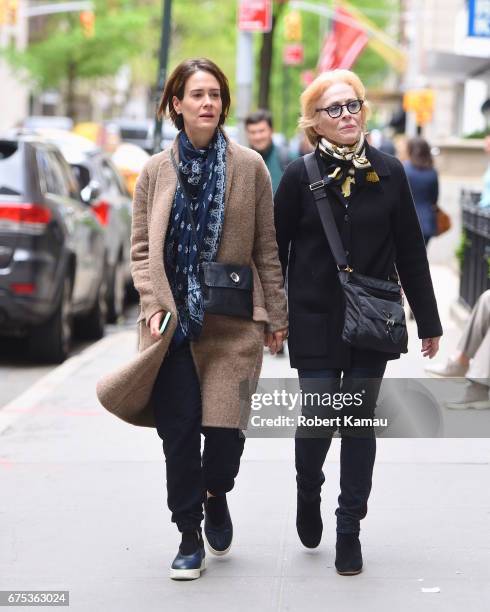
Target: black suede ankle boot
(309,522)
(348,560)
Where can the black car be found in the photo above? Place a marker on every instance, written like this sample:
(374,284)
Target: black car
(140,132)
(103,188)
(135,131)
(52,251)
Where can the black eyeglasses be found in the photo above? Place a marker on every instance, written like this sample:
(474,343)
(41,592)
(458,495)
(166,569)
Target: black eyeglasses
(334,111)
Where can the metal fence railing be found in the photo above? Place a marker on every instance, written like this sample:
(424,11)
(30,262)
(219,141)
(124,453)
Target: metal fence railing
(475,268)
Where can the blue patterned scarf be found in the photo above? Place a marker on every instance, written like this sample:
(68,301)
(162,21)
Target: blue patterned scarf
(203,176)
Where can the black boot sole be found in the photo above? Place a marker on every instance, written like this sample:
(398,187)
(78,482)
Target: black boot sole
(349,573)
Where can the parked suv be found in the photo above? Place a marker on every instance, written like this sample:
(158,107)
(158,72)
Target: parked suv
(104,190)
(52,251)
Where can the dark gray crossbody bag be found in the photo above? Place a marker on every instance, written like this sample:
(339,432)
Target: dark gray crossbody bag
(227,289)
(374,314)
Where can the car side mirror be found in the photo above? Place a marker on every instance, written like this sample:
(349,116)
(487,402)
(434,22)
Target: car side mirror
(91,192)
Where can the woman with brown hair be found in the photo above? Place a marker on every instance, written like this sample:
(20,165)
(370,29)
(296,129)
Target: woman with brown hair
(424,184)
(344,215)
(204,261)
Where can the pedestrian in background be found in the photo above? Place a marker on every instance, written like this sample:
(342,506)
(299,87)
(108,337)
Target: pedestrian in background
(202,206)
(424,184)
(375,218)
(258,126)
(471,359)
(379,139)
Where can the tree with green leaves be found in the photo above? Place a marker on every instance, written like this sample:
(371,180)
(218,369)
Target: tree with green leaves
(285,84)
(67,55)
(127,32)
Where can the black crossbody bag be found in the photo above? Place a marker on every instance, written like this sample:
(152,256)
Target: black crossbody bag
(227,289)
(374,314)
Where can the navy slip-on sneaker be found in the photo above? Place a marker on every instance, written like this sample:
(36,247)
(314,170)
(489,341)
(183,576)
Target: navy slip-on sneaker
(190,560)
(218,537)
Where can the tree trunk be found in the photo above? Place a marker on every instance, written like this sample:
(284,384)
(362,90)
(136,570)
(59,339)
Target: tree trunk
(265,62)
(71,77)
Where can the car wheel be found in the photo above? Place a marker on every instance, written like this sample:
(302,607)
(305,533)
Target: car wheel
(51,341)
(116,293)
(92,325)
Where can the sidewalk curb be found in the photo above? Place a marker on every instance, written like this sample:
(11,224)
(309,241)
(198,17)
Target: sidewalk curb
(11,412)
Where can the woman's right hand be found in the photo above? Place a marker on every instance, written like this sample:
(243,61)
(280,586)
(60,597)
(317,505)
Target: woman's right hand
(275,340)
(155,324)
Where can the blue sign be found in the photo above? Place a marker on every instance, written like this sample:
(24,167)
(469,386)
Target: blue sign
(479,18)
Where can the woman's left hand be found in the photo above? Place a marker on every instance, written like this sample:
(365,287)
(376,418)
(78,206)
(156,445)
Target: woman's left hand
(275,340)
(430,346)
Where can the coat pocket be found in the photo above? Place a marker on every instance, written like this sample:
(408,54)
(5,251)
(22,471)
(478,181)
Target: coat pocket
(145,337)
(141,315)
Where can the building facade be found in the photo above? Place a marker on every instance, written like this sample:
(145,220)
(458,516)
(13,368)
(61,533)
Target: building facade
(13,30)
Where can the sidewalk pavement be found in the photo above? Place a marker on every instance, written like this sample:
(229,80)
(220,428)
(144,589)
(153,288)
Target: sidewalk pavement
(84,509)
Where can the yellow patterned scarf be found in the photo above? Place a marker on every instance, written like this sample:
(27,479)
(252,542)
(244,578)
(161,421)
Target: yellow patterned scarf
(355,154)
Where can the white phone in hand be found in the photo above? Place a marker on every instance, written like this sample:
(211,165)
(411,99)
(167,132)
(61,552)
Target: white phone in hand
(165,321)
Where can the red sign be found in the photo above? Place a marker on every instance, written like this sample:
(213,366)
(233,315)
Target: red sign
(345,42)
(307,77)
(294,54)
(255,15)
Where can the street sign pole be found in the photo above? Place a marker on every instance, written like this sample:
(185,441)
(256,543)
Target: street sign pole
(285,97)
(162,71)
(244,81)
(253,16)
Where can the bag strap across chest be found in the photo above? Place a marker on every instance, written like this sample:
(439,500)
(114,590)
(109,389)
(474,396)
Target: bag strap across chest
(318,189)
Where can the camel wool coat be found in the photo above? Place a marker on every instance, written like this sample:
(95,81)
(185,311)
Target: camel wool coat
(228,354)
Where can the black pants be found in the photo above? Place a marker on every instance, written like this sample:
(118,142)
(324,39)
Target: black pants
(178,415)
(358,445)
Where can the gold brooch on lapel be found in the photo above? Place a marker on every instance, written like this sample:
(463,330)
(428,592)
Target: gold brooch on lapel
(372,177)
(346,186)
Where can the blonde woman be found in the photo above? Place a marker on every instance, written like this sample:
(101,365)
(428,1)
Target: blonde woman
(374,213)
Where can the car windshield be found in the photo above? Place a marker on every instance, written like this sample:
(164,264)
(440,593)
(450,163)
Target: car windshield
(11,169)
(132,133)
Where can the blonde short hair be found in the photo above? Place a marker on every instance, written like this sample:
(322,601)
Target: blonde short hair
(314,91)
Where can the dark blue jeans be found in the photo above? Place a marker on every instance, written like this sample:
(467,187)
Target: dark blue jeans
(178,416)
(358,445)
